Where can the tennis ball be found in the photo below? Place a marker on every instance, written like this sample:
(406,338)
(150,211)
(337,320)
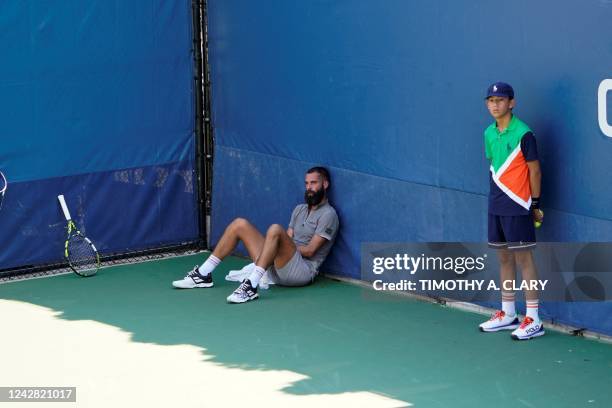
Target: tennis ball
(538,224)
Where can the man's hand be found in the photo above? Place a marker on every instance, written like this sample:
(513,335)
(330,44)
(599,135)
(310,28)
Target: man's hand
(538,216)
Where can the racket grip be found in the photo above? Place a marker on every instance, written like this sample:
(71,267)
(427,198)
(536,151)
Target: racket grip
(62,202)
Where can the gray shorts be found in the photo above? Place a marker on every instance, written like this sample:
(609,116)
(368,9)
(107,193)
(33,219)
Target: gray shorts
(297,272)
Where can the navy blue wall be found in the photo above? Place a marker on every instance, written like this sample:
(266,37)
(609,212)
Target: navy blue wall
(97,104)
(389,95)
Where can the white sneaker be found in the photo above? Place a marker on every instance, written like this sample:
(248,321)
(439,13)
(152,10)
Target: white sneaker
(529,329)
(499,321)
(194,280)
(244,293)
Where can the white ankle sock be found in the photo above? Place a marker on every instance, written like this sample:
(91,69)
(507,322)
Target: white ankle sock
(256,275)
(209,265)
(532,310)
(508,305)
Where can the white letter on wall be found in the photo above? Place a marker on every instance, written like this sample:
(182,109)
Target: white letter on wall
(602,106)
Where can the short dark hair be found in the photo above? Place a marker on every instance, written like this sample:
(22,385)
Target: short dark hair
(322,171)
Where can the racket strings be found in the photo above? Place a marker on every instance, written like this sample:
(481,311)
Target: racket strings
(81,254)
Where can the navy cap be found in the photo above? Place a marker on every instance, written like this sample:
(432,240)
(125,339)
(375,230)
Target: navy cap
(500,89)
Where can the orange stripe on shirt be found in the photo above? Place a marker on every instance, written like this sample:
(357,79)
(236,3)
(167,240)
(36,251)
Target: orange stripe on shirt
(516,177)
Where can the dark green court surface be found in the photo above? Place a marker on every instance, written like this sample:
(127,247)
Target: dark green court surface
(343,337)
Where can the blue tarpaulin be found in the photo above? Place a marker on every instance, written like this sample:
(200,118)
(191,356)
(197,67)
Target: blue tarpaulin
(97,104)
(390,96)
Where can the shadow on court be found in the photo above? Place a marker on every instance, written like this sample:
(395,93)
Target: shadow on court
(344,338)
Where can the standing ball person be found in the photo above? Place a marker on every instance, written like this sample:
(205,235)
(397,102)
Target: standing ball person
(514,208)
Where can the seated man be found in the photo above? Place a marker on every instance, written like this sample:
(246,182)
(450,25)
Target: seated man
(292,256)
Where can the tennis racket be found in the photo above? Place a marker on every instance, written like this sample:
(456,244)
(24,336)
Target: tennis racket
(80,252)
(3,186)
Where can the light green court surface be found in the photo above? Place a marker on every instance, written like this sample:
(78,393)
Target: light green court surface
(339,338)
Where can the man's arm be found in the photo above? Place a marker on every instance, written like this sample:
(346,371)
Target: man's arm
(313,246)
(290,232)
(535,177)
(529,148)
(535,183)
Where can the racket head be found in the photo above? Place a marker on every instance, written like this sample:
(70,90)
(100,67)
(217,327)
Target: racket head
(3,187)
(82,255)
(3,183)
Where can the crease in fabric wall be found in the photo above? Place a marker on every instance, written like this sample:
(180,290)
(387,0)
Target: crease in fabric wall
(97,103)
(390,96)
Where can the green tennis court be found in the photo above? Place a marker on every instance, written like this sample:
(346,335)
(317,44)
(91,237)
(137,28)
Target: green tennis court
(126,337)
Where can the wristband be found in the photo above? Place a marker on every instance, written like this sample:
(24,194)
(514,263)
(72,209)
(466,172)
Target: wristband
(535,203)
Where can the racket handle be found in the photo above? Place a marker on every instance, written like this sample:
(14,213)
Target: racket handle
(62,202)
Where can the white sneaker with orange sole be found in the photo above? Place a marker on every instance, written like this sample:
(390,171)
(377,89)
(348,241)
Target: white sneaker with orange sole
(529,329)
(499,321)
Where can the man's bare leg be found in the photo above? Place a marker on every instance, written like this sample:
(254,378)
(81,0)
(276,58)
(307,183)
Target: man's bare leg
(507,272)
(505,319)
(525,262)
(240,230)
(532,325)
(278,248)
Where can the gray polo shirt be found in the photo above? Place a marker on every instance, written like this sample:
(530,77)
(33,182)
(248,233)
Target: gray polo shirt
(322,221)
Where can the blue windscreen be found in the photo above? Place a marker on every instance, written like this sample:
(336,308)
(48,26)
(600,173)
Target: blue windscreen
(97,103)
(390,96)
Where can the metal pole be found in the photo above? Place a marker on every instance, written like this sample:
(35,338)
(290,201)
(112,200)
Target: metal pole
(208,125)
(199,124)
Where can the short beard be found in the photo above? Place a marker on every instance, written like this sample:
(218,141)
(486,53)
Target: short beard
(314,199)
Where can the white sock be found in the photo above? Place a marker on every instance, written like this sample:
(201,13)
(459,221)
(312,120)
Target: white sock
(532,310)
(508,305)
(209,265)
(256,275)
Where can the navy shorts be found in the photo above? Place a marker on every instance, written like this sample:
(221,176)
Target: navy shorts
(511,231)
